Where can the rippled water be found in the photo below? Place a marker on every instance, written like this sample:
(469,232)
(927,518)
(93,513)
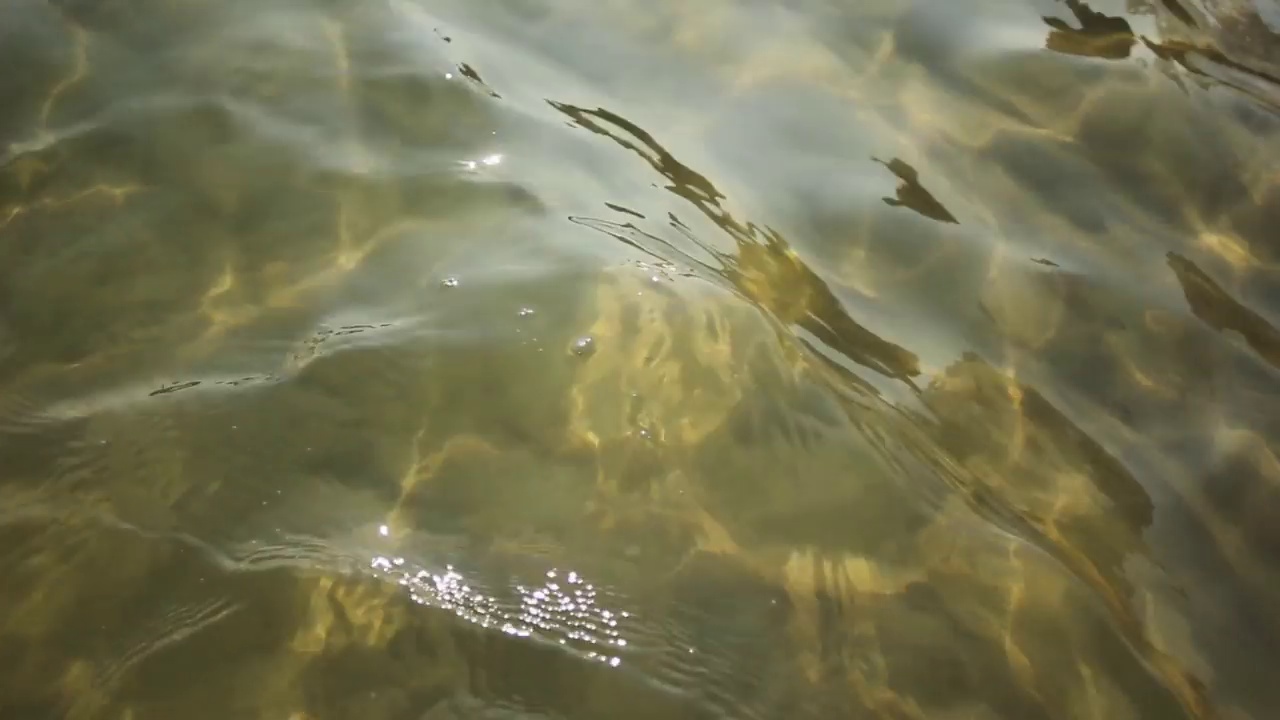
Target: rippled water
(427,359)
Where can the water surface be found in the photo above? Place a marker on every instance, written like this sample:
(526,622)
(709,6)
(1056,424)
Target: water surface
(427,359)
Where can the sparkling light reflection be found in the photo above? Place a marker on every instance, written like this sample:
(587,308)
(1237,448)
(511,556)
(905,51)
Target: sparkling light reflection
(488,160)
(563,609)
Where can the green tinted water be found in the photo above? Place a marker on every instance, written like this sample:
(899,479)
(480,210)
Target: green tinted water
(426,359)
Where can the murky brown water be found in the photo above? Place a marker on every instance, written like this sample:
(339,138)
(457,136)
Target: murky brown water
(427,359)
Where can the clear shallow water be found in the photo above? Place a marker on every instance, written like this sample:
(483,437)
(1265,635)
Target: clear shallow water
(738,359)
